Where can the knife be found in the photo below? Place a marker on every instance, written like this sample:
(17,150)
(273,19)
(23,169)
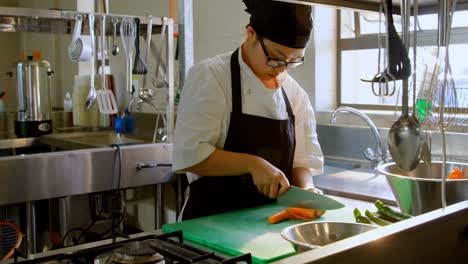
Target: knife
(298,197)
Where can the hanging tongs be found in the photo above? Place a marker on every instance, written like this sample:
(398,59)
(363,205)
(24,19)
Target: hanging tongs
(382,78)
(399,64)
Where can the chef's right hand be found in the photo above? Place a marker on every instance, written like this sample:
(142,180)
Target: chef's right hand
(268,179)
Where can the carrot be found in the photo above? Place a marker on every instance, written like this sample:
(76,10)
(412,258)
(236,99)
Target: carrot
(295,214)
(307,213)
(297,217)
(279,216)
(455,174)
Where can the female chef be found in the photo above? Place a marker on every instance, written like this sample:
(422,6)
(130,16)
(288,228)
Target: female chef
(245,129)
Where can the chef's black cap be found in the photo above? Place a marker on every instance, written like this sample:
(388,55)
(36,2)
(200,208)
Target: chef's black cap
(284,23)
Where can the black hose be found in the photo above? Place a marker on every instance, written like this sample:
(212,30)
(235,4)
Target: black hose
(117,190)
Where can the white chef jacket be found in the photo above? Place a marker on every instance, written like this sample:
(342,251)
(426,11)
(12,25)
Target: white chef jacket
(206,104)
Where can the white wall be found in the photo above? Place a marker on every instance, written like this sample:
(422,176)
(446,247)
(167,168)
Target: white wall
(219,26)
(52,47)
(10,54)
(325,58)
(140,7)
(9,46)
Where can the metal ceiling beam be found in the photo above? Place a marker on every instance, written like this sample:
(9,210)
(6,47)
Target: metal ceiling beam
(425,6)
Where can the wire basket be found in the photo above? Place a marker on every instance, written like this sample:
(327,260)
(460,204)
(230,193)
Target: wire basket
(429,97)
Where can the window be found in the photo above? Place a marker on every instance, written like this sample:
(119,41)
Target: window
(358,56)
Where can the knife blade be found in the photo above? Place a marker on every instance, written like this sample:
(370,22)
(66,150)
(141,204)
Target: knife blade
(298,197)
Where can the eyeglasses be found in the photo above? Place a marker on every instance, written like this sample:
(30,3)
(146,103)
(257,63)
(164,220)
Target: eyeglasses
(276,63)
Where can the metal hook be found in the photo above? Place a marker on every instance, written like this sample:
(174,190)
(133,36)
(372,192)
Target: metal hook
(115,21)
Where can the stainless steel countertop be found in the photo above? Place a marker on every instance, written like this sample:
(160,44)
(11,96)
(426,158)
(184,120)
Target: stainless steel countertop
(56,174)
(80,140)
(12,143)
(436,237)
(360,183)
(383,245)
(76,140)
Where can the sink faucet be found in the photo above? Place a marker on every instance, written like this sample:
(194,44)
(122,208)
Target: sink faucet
(159,132)
(369,153)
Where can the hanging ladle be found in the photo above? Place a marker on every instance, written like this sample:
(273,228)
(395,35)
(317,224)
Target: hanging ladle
(115,48)
(405,139)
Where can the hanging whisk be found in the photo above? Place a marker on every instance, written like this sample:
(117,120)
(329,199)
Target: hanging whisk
(139,66)
(128,35)
(443,93)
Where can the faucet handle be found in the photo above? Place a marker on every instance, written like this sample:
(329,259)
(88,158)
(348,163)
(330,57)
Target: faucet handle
(369,153)
(387,156)
(371,156)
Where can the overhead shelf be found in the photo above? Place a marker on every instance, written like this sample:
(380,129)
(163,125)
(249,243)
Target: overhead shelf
(14,19)
(425,6)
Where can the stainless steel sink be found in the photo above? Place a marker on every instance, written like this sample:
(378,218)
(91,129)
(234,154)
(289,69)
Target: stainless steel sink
(342,165)
(106,139)
(346,163)
(91,139)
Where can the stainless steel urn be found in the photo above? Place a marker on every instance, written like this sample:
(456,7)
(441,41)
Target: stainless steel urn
(34,80)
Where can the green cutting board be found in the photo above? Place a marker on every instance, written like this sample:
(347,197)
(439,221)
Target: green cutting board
(248,231)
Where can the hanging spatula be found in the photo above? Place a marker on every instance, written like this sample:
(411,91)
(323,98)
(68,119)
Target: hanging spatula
(105,97)
(399,64)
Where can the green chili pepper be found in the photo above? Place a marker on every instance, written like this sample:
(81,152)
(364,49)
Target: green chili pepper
(360,218)
(374,218)
(388,212)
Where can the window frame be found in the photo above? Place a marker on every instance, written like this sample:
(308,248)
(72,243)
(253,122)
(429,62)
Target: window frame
(370,41)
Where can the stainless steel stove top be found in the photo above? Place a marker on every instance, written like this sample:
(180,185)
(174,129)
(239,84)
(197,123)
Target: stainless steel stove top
(142,248)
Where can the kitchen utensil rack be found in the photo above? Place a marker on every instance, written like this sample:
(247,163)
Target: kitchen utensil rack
(16,19)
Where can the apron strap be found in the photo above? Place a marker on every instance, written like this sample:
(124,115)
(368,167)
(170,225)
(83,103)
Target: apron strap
(236,83)
(288,105)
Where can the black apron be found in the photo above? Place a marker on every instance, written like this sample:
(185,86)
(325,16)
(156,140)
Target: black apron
(273,140)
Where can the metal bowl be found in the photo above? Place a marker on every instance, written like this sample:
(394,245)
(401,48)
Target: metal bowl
(419,191)
(310,235)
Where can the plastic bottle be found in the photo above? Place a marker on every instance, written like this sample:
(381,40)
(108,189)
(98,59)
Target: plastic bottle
(68,103)
(428,84)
